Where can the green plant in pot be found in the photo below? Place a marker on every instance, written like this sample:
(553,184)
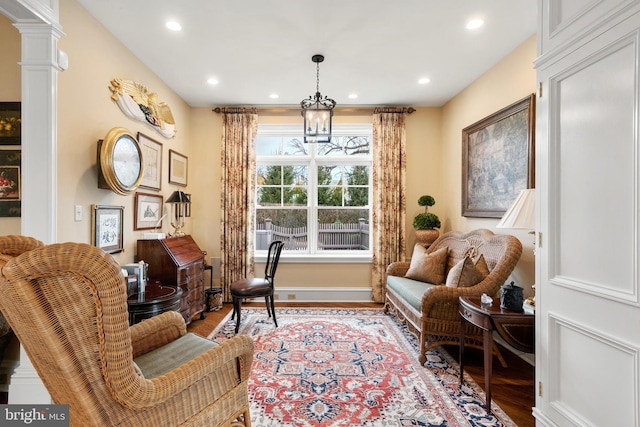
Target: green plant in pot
(425,223)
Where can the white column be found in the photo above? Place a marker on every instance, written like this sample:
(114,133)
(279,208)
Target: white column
(40,66)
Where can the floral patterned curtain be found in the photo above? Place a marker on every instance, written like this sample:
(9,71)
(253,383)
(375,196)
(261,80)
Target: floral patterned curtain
(238,188)
(389,178)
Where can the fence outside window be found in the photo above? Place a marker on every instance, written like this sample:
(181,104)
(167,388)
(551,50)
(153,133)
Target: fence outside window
(330,236)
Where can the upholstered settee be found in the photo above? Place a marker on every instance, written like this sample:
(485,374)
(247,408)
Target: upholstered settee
(430,310)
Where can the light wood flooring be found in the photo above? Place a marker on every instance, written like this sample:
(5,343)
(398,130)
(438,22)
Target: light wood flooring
(512,387)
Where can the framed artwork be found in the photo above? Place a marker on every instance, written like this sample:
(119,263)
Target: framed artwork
(107,228)
(10,123)
(498,159)
(10,183)
(147,213)
(152,159)
(177,168)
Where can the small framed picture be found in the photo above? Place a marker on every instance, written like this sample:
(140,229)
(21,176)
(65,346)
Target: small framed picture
(107,228)
(10,123)
(10,182)
(147,213)
(177,168)
(152,159)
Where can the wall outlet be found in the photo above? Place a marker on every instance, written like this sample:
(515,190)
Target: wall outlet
(291,296)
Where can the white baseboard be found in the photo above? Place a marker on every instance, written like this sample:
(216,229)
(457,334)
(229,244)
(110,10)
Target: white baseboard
(323,294)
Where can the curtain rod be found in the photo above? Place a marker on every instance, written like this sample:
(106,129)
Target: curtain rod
(286,110)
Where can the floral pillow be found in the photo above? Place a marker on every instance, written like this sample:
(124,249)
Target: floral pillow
(467,273)
(427,267)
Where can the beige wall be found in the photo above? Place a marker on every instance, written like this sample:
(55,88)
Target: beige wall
(510,80)
(86,112)
(10,82)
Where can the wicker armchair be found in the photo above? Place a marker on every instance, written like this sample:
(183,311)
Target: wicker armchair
(12,246)
(67,303)
(434,317)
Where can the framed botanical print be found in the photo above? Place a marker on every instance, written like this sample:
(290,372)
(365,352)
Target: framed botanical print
(107,228)
(177,168)
(498,159)
(152,159)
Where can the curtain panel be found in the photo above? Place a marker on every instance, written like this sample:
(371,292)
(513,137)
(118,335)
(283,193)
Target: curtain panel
(238,190)
(389,179)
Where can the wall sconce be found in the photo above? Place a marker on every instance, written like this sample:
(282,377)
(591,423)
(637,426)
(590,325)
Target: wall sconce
(179,202)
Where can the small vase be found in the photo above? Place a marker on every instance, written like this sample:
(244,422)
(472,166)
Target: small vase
(427,237)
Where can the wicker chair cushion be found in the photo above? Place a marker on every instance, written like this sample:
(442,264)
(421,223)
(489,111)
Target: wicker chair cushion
(168,357)
(467,273)
(410,290)
(429,268)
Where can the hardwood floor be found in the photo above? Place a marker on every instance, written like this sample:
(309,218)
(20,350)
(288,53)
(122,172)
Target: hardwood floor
(512,388)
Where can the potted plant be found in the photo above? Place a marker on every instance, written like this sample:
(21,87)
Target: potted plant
(425,223)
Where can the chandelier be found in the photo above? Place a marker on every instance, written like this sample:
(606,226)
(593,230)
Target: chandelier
(317,111)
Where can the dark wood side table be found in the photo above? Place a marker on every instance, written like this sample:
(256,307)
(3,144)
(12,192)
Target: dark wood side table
(517,329)
(156,300)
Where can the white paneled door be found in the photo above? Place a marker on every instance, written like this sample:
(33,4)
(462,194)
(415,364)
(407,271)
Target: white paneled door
(588,159)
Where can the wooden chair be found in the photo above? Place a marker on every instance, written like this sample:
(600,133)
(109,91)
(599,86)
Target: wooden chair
(67,304)
(258,287)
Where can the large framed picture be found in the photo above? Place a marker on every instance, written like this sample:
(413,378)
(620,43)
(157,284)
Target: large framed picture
(10,123)
(147,213)
(107,228)
(152,159)
(177,168)
(498,159)
(10,182)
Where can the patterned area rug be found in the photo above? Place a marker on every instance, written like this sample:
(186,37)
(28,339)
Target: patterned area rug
(352,367)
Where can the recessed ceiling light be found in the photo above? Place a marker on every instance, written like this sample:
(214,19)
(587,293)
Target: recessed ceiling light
(173,25)
(424,80)
(274,96)
(212,81)
(474,24)
(353,96)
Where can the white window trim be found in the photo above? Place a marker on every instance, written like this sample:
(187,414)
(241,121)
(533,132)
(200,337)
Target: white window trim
(295,130)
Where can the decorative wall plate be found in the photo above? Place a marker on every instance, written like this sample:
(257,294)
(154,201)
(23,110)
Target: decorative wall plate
(137,103)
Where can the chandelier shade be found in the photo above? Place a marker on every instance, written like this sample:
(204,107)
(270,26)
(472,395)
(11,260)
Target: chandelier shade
(317,111)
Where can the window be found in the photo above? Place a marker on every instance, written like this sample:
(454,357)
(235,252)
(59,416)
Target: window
(315,197)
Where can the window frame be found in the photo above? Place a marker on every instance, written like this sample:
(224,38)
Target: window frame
(312,160)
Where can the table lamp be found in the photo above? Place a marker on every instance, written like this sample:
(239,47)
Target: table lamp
(178,201)
(521,215)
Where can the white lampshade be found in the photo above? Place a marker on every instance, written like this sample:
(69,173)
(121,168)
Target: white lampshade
(522,213)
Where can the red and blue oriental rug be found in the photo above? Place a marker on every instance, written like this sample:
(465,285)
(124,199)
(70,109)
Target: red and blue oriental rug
(352,367)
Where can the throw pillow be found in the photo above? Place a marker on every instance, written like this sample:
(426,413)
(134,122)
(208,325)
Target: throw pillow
(427,267)
(482,266)
(464,274)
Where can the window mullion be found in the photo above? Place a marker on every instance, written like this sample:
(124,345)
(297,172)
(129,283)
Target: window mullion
(312,206)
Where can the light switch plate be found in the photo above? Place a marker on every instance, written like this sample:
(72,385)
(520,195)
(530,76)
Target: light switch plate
(78,211)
